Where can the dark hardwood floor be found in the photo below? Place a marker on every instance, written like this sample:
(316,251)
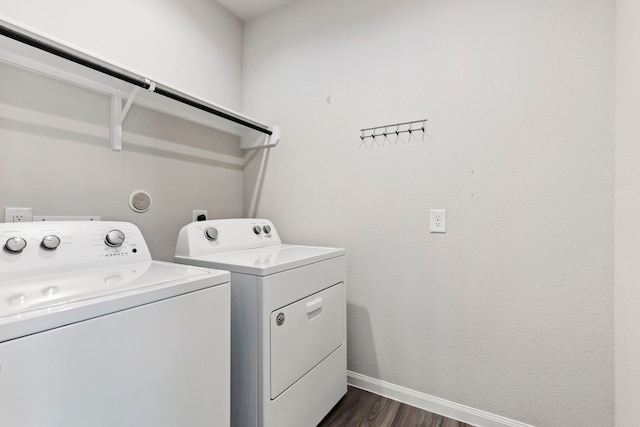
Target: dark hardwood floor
(359,408)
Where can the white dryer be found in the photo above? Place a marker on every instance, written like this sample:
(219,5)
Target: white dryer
(93,332)
(288,320)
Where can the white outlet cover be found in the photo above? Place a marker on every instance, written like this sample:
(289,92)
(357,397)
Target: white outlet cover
(198,212)
(25,214)
(438,221)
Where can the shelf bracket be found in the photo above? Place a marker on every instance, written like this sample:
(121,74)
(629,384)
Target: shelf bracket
(119,113)
(116,131)
(251,142)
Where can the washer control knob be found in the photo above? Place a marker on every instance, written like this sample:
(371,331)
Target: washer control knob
(15,245)
(50,242)
(114,238)
(257,229)
(267,229)
(211,233)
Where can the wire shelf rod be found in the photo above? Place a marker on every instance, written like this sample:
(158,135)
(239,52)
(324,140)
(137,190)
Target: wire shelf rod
(386,132)
(395,124)
(120,74)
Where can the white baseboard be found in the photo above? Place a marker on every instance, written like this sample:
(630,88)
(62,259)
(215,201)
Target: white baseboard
(429,403)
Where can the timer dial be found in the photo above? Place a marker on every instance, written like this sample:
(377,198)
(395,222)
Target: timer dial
(15,245)
(211,233)
(50,242)
(114,238)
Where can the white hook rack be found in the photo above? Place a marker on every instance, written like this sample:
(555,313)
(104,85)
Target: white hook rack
(399,128)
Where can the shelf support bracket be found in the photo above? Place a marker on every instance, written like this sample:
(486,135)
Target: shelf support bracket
(116,131)
(250,142)
(118,114)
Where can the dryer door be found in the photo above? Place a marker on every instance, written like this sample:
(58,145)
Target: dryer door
(304,333)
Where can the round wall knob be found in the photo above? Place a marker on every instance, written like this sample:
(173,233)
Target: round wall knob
(15,245)
(50,242)
(211,233)
(114,238)
(257,229)
(267,229)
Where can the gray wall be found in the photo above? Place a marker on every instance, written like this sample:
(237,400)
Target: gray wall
(627,238)
(192,45)
(510,311)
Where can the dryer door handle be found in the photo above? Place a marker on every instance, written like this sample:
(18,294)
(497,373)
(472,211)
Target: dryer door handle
(314,308)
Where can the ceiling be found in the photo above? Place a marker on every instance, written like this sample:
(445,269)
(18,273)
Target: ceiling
(248,9)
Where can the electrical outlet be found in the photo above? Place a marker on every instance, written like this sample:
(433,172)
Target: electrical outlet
(438,221)
(200,215)
(18,214)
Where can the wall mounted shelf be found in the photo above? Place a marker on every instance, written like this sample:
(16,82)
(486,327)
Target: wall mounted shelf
(35,52)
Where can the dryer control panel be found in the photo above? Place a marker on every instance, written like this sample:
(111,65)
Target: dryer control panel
(50,246)
(203,238)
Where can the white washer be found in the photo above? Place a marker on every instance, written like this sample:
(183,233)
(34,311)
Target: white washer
(93,332)
(288,327)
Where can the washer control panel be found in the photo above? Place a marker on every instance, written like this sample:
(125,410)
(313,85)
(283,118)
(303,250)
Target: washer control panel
(213,236)
(59,245)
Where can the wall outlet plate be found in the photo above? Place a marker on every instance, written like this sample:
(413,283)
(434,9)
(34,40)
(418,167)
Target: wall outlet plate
(438,221)
(18,214)
(200,215)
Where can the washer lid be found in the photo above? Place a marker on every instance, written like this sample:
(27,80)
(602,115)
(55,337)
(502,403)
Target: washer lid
(32,305)
(265,261)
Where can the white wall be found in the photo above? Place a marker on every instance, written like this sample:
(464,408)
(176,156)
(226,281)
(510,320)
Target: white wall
(511,311)
(192,45)
(55,153)
(627,236)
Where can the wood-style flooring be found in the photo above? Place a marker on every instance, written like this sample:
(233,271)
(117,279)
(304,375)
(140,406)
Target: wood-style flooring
(359,408)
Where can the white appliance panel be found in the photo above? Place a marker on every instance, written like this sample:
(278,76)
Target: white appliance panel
(267,260)
(93,332)
(312,396)
(287,378)
(245,318)
(231,235)
(120,369)
(82,246)
(303,334)
(279,290)
(35,304)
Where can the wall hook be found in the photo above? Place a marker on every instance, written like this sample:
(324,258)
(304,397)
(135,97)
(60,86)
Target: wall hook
(385,131)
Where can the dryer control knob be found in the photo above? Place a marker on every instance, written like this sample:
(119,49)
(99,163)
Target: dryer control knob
(114,238)
(267,229)
(50,242)
(257,229)
(15,245)
(211,233)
